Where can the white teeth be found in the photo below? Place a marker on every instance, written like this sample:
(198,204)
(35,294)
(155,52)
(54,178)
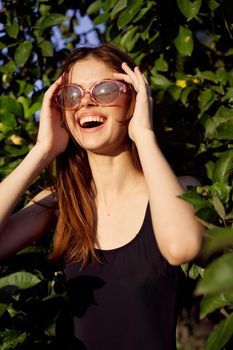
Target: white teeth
(91,119)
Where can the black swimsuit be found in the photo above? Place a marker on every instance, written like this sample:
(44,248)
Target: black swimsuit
(128,301)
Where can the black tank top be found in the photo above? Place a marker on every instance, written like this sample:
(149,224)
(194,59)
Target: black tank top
(129,300)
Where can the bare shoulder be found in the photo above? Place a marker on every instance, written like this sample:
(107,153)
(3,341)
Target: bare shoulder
(187,181)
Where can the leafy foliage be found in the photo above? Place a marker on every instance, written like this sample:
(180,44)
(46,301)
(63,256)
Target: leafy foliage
(185,49)
(35,37)
(33,304)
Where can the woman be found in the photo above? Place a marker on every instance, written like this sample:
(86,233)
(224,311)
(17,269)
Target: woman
(122,228)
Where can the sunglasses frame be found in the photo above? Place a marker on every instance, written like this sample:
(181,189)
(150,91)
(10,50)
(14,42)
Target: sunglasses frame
(123,88)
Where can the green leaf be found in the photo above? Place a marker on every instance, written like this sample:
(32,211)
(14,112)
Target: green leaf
(22,280)
(195,200)
(22,85)
(215,144)
(47,48)
(213,4)
(44,9)
(207,224)
(11,105)
(33,109)
(50,20)
(2,45)
(175,92)
(133,9)
(103,17)
(130,38)
(221,125)
(195,271)
(218,189)
(223,167)
(11,339)
(32,249)
(29,110)
(160,81)
(13,30)
(229,95)
(216,240)
(143,12)
(220,335)
(222,75)
(7,169)
(8,68)
(3,308)
(221,190)
(207,75)
(124,19)
(204,99)
(25,103)
(120,5)
(224,114)
(217,276)
(23,52)
(214,301)
(189,8)
(218,206)
(210,128)
(94,7)
(161,64)
(209,169)
(8,120)
(184,41)
(225,132)
(137,5)
(13,151)
(185,94)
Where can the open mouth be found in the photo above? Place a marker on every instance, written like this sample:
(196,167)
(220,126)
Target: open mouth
(90,122)
(89,125)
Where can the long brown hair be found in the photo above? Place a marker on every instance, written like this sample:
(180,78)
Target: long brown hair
(75,234)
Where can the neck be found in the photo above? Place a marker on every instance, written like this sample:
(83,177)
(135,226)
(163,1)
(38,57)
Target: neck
(113,175)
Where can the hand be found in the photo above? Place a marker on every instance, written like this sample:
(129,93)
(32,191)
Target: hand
(142,116)
(52,136)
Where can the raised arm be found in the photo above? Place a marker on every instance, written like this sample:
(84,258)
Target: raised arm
(178,233)
(52,139)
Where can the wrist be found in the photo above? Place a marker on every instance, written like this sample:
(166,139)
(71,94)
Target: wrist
(145,136)
(43,155)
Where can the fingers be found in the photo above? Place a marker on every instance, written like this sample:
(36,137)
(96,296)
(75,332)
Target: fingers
(124,77)
(129,76)
(133,74)
(134,77)
(54,87)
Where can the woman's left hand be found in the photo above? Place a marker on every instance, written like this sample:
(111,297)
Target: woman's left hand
(141,120)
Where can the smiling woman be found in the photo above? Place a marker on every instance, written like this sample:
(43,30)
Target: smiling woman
(121,228)
(103,93)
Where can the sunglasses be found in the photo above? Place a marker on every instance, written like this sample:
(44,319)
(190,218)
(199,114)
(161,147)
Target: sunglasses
(103,92)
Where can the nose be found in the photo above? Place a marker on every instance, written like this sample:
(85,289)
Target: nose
(87,100)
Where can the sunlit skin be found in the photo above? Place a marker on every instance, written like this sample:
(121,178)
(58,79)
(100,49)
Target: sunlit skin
(121,189)
(105,189)
(111,137)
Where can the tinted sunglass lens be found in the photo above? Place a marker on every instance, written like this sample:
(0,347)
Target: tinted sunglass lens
(69,96)
(106,92)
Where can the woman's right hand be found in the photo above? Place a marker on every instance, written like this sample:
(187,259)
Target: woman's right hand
(52,137)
